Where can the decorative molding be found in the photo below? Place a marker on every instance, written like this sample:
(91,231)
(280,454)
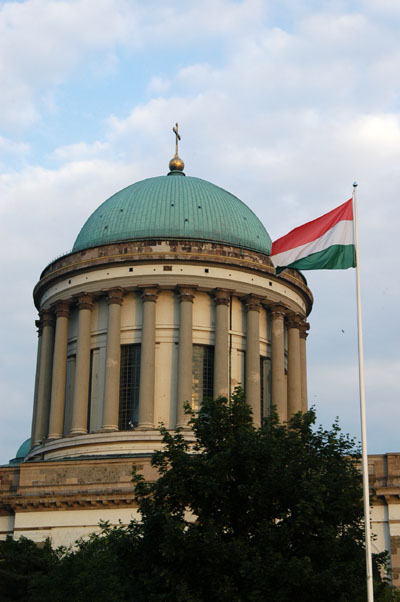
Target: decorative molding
(304,327)
(149,293)
(294,321)
(47,317)
(75,501)
(84,301)
(277,311)
(252,302)
(39,326)
(222,296)
(115,295)
(62,309)
(186,293)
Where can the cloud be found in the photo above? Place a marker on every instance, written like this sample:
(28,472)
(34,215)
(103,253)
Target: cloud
(158,85)
(8,145)
(41,41)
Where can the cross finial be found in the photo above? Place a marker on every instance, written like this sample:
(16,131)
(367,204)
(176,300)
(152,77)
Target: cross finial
(176,165)
(177,137)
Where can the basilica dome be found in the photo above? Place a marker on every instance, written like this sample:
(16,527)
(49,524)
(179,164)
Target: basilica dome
(174,207)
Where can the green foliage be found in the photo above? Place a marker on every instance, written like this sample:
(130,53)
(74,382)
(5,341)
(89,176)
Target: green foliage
(241,515)
(22,565)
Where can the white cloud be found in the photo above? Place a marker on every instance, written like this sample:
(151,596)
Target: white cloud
(158,85)
(8,145)
(41,41)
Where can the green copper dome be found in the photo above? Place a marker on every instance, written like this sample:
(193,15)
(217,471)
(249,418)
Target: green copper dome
(174,207)
(22,452)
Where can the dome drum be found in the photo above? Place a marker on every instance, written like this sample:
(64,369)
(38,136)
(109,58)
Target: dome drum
(244,299)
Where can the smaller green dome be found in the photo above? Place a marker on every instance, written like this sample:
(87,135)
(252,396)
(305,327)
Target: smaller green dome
(174,207)
(22,452)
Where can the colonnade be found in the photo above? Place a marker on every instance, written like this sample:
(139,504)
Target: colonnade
(289,393)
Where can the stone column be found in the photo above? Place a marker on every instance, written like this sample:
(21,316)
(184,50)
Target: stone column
(46,368)
(148,358)
(113,361)
(253,392)
(221,352)
(185,352)
(39,326)
(278,392)
(59,371)
(304,327)
(82,369)
(294,365)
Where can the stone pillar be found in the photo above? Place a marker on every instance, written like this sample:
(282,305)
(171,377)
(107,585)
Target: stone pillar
(38,324)
(278,392)
(185,352)
(148,358)
(253,393)
(113,361)
(46,368)
(82,369)
(294,365)
(59,371)
(221,351)
(304,327)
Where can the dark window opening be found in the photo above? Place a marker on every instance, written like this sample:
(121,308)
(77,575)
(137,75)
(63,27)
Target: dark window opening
(265,386)
(203,374)
(129,387)
(89,405)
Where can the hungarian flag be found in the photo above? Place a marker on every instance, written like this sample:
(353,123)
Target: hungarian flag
(326,243)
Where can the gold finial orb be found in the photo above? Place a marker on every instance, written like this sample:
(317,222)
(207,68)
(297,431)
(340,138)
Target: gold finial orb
(176,164)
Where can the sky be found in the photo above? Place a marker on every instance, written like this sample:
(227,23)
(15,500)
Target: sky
(285,103)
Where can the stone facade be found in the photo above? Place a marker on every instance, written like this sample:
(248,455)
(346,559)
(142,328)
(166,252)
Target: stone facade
(384,480)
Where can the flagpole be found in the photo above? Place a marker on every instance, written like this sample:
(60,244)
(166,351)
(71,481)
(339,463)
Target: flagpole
(368,550)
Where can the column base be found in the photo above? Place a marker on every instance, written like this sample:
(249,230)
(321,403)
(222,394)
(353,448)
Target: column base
(183,427)
(53,436)
(145,426)
(75,432)
(109,429)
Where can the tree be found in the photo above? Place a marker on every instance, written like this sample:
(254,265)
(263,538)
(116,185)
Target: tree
(21,563)
(241,515)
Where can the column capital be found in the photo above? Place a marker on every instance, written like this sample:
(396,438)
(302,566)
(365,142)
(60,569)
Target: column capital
(61,309)
(149,293)
(222,296)
(304,327)
(277,310)
(115,295)
(39,326)
(84,301)
(186,293)
(46,317)
(252,302)
(294,320)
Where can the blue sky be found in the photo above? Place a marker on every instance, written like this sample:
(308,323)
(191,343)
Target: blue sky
(283,103)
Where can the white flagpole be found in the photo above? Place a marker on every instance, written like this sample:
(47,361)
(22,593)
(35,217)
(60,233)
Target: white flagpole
(368,551)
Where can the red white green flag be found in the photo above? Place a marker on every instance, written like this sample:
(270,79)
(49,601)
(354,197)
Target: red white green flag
(326,243)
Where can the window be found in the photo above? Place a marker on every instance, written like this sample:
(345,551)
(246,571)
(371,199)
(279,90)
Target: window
(265,385)
(203,374)
(129,387)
